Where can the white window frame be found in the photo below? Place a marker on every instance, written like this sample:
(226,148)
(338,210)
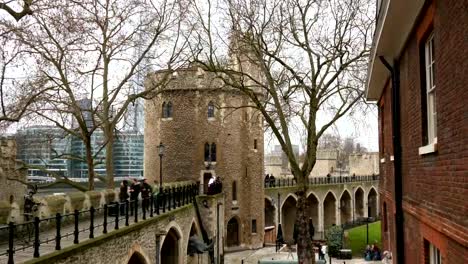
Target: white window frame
(434,255)
(430,89)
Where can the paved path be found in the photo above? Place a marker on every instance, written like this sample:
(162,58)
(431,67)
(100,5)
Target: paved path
(253,256)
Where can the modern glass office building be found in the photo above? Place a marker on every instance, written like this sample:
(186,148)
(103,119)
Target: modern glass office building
(44,149)
(47,149)
(128,154)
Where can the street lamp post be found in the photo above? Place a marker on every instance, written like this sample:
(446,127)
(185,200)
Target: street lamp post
(161,149)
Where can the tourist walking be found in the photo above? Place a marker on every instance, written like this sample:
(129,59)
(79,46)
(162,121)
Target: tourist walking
(135,189)
(145,194)
(123,195)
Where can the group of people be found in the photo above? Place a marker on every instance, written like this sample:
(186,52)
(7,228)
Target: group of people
(372,253)
(133,192)
(270,181)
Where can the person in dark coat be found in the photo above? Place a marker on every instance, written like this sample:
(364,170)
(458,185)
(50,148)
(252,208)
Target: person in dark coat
(267,181)
(272,181)
(218,185)
(145,194)
(311,229)
(123,195)
(135,189)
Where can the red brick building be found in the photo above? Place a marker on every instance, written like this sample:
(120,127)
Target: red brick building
(418,75)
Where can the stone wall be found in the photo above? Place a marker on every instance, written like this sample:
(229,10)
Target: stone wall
(364,163)
(141,239)
(63,204)
(11,192)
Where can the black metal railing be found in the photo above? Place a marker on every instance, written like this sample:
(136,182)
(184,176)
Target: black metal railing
(290,182)
(33,234)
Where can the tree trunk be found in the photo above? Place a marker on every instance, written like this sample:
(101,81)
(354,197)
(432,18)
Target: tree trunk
(304,243)
(90,163)
(109,137)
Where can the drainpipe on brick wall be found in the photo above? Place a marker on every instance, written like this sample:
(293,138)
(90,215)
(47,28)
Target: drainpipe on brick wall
(396,138)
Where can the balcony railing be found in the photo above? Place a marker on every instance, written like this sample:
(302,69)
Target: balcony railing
(290,182)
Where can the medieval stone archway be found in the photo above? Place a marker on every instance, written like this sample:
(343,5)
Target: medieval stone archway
(137,258)
(270,223)
(345,207)
(314,211)
(329,210)
(233,232)
(372,203)
(288,217)
(269,213)
(170,249)
(359,203)
(193,253)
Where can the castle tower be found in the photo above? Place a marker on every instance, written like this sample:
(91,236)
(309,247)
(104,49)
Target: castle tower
(205,136)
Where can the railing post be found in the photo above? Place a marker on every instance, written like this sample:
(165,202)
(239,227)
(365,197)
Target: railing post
(117,212)
(174,196)
(37,242)
(151,204)
(104,225)
(163,200)
(169,199)
(127,205)
(11,247)
(76,214)
(136,210)
(178,196)
(58,237)
(91,222)
(157,202)
(182,193)
(144,204)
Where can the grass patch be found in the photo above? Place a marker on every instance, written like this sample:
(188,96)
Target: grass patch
(357,238)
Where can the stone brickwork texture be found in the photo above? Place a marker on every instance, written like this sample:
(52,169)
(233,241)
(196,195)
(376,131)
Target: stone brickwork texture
(11,192)
(435,185)
(234,130)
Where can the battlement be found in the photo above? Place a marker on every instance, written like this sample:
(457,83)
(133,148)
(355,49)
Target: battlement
(191,78)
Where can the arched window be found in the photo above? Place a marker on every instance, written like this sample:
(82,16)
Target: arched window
(211,109)
(210,152)
(213,152)
(207,152)
(169,109)
(164,110)
(234,191)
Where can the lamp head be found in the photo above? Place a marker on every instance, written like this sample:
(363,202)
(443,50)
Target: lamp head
(161,149)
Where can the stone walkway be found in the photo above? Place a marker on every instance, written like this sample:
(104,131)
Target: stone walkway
(253,256)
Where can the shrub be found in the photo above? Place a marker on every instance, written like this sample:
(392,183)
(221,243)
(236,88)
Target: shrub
(334,240)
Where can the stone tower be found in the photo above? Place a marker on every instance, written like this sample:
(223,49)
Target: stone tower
(206,134)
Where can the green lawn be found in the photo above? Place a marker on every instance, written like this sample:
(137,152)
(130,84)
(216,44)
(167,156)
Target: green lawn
(357,237)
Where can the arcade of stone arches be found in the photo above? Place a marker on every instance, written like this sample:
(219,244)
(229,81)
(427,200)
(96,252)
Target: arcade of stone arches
(171,248)
(331,207)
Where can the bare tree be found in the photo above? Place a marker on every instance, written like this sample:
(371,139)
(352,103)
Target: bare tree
(86,50)
(25,8)
(299,62)
(16,93)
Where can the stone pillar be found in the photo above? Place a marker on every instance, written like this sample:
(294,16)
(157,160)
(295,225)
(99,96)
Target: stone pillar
(366,205)
(377,204)
(337,212)
(321,218)
(353,205)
